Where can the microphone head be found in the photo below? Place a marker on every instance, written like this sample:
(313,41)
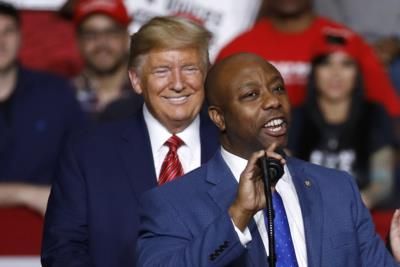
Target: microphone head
(281,151)
(275,168)
(272,168)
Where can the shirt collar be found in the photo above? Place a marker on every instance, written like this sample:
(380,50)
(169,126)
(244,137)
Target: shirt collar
(237,164)
(159,134)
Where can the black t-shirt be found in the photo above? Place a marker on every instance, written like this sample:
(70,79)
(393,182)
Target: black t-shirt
(347,146)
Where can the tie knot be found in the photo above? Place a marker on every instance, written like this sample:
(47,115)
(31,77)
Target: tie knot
(174,142)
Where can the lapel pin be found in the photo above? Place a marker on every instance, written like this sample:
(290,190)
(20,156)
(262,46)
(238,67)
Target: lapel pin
(307,183)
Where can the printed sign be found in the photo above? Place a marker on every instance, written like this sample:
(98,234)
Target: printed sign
(224,18)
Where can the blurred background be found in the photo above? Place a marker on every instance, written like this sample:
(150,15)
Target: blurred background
(49,43)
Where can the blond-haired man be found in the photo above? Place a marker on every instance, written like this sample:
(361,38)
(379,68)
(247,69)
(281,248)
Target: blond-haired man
(92,214)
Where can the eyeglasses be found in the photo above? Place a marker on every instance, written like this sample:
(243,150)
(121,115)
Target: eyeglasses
(108,33)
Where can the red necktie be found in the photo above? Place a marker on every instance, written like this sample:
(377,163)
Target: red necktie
(171,167)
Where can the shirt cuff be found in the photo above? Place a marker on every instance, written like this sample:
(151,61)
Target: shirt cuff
(245,236)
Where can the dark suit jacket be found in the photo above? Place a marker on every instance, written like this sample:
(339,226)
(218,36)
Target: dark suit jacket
(92,216)
(186,223)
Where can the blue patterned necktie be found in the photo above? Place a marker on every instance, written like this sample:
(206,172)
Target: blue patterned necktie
(284,249)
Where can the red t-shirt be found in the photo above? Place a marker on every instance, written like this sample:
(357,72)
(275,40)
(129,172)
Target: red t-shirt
(291,53)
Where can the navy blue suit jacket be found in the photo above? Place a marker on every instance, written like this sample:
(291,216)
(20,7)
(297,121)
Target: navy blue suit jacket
(186,222)
(92,216)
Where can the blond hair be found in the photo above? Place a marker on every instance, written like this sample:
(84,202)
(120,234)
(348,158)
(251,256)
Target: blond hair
(168,33)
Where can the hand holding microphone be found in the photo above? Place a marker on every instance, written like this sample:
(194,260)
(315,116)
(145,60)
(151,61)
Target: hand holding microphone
(250,197)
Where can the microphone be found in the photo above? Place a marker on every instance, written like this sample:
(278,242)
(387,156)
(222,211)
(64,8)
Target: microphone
(272,171)
(273,167)
(275,170)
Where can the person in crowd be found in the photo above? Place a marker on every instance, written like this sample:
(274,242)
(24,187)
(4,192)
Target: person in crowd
(37,112)
(103,40)
(92,216)
(377,23)
(213,216)
(338,128)
(286,35)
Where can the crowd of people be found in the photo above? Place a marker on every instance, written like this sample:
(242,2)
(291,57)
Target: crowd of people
(150,107)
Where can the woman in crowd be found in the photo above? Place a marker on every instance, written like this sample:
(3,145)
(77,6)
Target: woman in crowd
(338,128)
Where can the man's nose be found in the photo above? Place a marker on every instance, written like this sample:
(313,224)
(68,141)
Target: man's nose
(177,81)
(270,100)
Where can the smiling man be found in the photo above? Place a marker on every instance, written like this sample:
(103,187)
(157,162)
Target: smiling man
(92,217)
(103,88)
(214,216)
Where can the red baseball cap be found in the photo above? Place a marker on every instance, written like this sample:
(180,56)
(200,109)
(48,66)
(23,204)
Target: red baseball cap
(337,40)
(112,8)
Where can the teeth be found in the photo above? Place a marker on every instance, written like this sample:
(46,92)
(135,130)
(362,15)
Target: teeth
(177,99)
(274,123)
(276,129)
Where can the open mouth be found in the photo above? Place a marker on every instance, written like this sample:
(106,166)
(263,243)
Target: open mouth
(276,126)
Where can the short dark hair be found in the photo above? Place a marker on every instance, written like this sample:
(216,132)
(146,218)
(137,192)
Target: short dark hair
(8,9)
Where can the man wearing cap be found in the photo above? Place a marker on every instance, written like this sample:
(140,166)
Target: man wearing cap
(103,87)
(92,217)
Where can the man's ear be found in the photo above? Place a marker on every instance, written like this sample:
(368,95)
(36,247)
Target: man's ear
(217,117)
(135,81)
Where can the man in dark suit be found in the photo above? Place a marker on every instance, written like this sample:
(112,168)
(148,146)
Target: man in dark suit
(92,217)
(214,216)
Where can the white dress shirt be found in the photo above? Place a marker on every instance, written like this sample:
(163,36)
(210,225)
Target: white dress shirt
(189,152)
(287,191)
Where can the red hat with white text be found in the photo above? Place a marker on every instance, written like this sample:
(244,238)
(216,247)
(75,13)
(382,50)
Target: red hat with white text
(112,8)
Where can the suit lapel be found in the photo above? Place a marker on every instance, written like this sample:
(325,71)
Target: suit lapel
(135,153)
(224,190)
(256,249)
(223,193)
(311,207)
(208,137)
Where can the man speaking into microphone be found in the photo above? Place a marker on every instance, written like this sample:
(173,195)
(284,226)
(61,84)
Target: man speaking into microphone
(215,215)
